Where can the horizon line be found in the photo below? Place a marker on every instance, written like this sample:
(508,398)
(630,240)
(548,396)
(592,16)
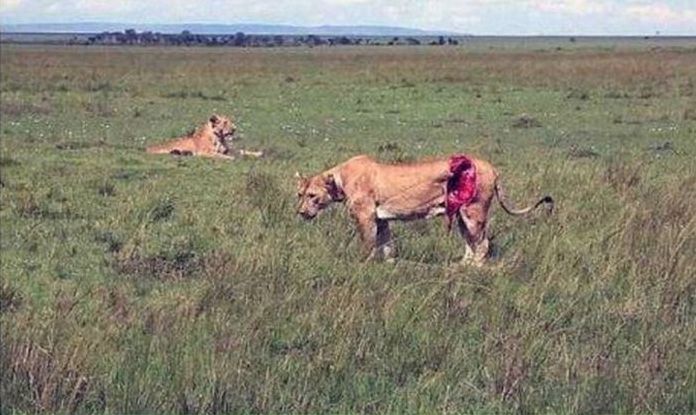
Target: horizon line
(431,32)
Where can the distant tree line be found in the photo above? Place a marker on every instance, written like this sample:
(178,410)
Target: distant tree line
(239,39)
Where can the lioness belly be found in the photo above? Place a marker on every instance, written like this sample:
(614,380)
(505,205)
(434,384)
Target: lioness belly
(385,213)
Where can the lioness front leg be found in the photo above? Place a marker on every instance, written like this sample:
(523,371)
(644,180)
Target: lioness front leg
(249,153)
(363,211)
(215,155)
(218,155)
(367,228)
(376,238)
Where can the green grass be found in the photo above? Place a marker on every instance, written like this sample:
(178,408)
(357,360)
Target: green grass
(134,283)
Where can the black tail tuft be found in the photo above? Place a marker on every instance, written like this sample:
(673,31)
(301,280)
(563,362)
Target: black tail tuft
(549,202)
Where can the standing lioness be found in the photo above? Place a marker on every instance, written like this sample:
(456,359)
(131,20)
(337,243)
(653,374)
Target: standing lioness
(461,186)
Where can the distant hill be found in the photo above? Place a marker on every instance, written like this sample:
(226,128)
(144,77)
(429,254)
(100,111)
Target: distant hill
(221,29)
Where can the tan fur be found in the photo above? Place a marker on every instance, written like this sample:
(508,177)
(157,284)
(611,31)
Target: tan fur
(376,193)
(208,140)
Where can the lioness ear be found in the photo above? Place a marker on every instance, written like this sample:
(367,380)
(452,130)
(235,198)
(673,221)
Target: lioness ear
(214,119)
(333,189)
(301,181)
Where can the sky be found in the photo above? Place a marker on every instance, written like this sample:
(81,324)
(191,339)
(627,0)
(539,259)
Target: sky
(478,17)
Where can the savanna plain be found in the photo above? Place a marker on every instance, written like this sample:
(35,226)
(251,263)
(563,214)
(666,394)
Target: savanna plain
(134,283)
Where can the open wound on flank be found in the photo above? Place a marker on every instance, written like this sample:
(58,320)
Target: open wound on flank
(461,186)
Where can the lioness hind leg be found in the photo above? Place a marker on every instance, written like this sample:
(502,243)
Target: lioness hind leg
(385,246)
(468,257)
(472,226)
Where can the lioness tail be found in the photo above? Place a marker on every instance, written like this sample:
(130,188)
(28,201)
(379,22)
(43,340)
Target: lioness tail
(500,194)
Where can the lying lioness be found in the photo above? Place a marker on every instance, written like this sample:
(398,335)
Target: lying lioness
(461,186)
(209,140)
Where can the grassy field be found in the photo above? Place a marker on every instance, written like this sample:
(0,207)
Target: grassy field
(142,284)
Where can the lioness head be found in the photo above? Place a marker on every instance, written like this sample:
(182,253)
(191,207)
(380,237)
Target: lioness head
(223,129)
(222,126)
(316,193)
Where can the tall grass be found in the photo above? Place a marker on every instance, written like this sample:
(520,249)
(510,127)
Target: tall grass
(140,284)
